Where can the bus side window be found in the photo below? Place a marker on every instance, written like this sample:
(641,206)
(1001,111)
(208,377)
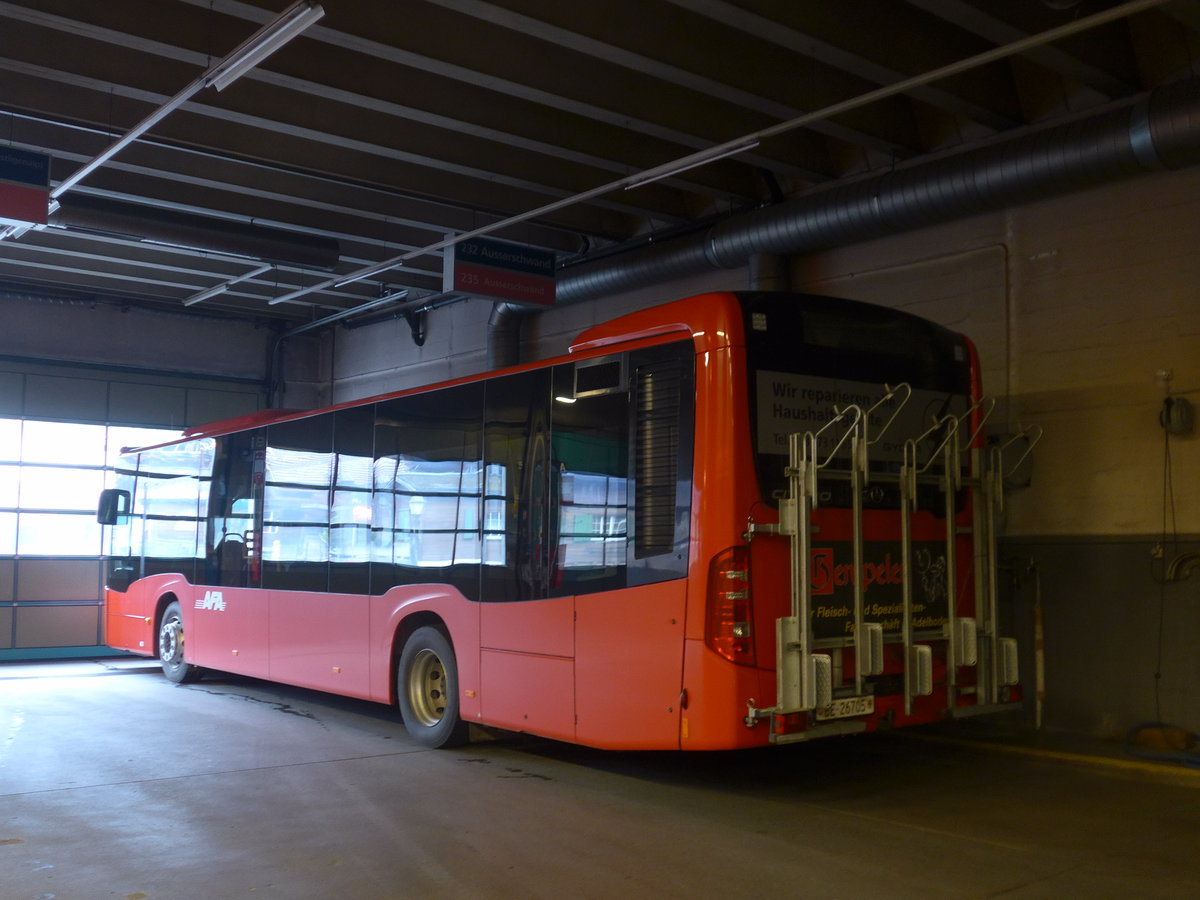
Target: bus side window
(351,510)
(589,437)
(232,510)
(516,487)
(298,475)
(168,508)
(428,485)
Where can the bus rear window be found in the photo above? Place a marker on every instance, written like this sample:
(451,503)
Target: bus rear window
(810,356)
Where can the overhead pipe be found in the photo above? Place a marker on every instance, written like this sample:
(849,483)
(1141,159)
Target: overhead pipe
(770,272)
(1160,131)
(504,335)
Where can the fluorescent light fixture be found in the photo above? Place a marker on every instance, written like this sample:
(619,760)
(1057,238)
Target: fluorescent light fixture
(250,53)
(263,43)
(13,231)
(225,285)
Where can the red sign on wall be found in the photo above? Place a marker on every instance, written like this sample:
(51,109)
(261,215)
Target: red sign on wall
(501,271)
(24,187)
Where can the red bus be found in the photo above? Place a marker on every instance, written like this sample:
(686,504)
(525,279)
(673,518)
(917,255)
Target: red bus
(727,521)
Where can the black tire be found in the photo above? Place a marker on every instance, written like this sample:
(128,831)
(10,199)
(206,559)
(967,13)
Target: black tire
(170,647)
(427,690)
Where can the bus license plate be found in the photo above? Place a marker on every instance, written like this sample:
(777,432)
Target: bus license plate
(848,707)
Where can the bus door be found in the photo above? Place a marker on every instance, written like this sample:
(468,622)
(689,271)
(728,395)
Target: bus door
(228,616)
(586,507)
(314,560)
(526,629)
(621,463)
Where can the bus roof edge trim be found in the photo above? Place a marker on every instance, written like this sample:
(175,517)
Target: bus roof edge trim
(585,342)
(250,420)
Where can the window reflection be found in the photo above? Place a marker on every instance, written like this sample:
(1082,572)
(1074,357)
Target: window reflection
(350,517)
(170,504)
(297,475)
(590,444)
(496,488)
(592,525)
(426,513)
(296,505)
(427,481)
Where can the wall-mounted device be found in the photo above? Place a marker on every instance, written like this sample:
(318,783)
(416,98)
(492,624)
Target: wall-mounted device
(1177,415)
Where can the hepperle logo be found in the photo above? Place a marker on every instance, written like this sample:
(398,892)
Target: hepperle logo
(826,575)
(832,578)
(821,570)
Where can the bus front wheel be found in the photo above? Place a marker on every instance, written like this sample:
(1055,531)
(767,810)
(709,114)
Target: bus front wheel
(427,689)
(170,647)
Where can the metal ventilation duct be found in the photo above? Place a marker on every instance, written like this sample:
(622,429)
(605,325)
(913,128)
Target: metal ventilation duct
(1160,131)
(178,229)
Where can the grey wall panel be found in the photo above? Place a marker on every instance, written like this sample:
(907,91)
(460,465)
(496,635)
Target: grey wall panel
(12,393)
(146,404)
(55,397)
(204,405)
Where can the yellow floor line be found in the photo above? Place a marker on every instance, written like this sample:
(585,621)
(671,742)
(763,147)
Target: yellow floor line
(1132,765)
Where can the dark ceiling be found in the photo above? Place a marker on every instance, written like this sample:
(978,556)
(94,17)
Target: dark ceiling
(390,124)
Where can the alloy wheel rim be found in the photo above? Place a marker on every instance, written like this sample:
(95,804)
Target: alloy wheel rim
(170,641)
(427,688)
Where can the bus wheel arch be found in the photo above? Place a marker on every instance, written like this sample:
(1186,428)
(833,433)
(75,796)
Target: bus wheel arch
(169,642)
(427,688)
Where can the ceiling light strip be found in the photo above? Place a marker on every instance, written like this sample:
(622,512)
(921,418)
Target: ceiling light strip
(289,23)
(226,285)
(262,43)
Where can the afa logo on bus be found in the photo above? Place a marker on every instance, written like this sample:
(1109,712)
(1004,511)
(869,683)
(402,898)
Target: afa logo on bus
(211,600)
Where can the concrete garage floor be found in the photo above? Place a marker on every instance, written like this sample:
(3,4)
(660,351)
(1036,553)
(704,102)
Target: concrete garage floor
(115,783)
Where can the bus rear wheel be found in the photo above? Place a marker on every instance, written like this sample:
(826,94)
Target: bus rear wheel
(427,689)
(170,647)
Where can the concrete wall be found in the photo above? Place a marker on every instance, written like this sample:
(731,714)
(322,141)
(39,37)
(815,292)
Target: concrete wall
(1075,304)
(382,357)
(106,333)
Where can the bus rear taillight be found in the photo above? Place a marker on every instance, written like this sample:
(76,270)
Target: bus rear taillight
(728,629)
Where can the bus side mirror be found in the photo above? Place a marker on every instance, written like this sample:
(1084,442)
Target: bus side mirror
(113,504)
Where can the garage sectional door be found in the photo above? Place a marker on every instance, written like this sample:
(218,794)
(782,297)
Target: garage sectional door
(61,430)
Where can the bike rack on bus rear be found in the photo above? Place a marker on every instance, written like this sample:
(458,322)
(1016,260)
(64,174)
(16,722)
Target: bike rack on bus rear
(804,676)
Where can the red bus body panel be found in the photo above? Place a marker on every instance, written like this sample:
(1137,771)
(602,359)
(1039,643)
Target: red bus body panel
(629,666)
(526,660)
